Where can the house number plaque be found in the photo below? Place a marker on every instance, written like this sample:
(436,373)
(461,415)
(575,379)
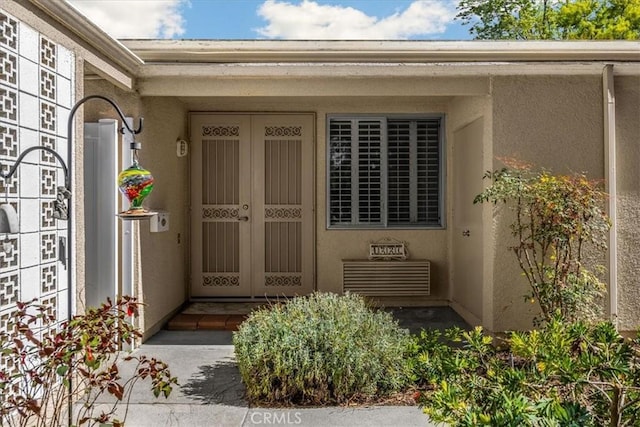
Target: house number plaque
(388,249)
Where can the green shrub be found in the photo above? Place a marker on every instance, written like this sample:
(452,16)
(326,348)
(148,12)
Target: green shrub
(557,220)
(566,374)
(319,349)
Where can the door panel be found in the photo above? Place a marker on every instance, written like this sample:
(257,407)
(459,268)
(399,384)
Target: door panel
(283,180)
(252,222)
(220,240)
(467,265)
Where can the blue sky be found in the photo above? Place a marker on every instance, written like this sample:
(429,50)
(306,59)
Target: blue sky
(276,19)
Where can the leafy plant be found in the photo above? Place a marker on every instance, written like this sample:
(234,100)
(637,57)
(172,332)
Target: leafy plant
(551,19)
(319,349)
(566,374)
(45,369)
(556,219)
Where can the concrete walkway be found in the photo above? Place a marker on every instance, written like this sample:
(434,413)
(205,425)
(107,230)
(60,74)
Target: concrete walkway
(211,392)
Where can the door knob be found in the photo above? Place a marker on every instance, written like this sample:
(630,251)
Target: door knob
(243,218)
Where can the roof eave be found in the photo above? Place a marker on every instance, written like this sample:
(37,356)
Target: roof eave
(278,51)
(69,17)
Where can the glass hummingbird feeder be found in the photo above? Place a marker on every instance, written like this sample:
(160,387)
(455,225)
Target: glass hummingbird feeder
(135,183)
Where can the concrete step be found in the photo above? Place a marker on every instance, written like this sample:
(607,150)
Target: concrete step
(206,322)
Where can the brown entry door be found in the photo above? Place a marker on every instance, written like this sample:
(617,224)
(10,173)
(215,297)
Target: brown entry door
(252,205)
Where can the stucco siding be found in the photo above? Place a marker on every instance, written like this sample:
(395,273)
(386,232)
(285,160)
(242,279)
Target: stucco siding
(163,259)
(627,91)
(554,123)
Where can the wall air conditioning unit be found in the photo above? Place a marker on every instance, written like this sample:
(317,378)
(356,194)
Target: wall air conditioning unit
(386,278)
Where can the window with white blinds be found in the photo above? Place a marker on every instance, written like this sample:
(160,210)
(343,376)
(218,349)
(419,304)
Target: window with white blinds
(384,172)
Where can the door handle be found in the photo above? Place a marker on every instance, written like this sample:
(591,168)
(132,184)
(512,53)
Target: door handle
(243,218)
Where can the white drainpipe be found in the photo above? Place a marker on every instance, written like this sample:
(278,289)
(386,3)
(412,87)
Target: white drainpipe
(609,104)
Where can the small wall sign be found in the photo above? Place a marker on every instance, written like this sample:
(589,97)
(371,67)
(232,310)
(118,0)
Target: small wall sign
(388,249)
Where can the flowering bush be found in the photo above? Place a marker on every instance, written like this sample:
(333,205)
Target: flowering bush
(556,219)
(45,368)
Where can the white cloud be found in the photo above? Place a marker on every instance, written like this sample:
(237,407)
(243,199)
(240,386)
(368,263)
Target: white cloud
(312,21)
(142,19)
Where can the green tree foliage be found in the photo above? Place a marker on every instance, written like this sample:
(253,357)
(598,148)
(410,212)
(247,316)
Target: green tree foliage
(551,19)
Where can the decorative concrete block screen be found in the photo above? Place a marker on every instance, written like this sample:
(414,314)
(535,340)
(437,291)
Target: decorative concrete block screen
(36,92)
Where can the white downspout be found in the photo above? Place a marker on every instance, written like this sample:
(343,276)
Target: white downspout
(609,104)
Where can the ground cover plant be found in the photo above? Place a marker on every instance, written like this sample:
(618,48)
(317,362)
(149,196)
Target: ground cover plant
(321,349)
(45,365)
(564,374)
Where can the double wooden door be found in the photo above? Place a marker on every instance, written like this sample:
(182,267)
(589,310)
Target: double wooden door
(252,216)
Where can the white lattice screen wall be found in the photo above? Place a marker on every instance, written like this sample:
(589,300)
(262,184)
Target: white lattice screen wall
(36,92)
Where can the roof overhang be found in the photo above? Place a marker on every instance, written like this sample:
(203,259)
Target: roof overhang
(92,35)
(379,69)
(279,51)
(247,66)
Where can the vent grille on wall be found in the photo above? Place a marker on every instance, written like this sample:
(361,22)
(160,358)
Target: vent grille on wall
(386,278)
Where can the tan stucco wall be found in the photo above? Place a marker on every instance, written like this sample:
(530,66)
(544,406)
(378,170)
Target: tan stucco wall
(627,90)
(551,122)
(163,255)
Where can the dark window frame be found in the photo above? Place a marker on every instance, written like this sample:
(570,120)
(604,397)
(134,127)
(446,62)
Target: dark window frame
(353,152)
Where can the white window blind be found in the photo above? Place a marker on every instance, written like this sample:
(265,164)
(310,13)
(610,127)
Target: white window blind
(369,174)
(384,172)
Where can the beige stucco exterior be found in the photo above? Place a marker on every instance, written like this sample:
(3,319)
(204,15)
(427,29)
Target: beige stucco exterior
(539,102)
(550,122)
(628,202)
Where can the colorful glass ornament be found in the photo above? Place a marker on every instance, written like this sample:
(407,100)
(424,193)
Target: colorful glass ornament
(136,184)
